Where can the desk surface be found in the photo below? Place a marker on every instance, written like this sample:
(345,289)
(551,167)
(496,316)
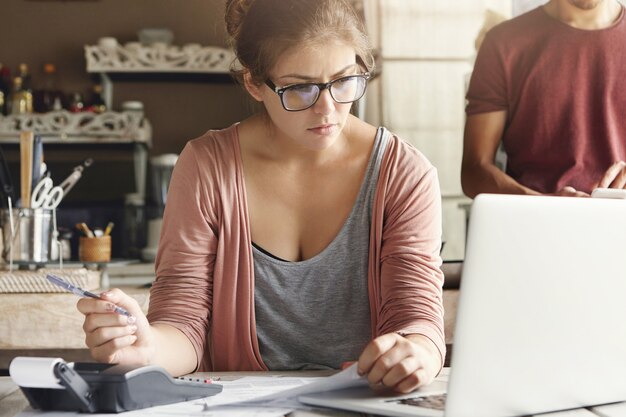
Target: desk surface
(12,401)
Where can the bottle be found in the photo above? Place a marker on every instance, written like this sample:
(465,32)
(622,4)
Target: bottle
(97,104)
(76,103)
(48,97)
(4,93)
(24,74)
(62,245)
(134,225)
(21,100)
(5,88)
(135,110)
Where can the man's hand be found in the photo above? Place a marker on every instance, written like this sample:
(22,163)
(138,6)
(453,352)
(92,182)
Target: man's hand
(614,177)
(568,191)
(401,363)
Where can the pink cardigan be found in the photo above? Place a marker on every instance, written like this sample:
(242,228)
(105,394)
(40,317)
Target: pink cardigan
(204,268)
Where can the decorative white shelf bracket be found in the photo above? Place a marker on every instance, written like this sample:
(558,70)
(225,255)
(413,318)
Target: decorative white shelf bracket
(134,57)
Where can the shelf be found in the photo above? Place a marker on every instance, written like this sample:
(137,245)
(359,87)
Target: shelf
(159,62)
(134,57)
(58,128)
(85,127)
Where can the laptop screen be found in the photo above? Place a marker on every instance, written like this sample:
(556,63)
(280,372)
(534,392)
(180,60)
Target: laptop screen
(540,322)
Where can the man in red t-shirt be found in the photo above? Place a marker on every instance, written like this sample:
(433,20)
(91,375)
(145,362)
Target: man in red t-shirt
(551,86)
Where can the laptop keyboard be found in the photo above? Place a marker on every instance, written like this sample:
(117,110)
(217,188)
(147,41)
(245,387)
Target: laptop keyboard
(435,402)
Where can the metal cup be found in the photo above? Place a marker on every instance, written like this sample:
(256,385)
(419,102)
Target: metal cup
(32,232)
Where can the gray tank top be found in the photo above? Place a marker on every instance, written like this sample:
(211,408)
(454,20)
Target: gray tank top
(315,314)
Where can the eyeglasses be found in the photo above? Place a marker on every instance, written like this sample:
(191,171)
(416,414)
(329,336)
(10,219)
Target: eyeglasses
(296,97)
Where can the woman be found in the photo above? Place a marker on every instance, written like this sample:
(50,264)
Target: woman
(299,238)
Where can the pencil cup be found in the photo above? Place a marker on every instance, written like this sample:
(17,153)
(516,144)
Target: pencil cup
(94,249)
(29,238)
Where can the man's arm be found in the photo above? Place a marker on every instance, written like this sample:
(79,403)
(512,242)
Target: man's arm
(479,174)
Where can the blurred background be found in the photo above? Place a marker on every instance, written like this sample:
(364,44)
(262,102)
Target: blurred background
(425,52)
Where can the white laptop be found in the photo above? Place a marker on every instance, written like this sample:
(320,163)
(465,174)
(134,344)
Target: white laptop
(541,322)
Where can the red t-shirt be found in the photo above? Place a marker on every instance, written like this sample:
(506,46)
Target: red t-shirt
(564,90)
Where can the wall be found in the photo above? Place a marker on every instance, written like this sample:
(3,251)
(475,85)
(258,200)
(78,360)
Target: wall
(36,32)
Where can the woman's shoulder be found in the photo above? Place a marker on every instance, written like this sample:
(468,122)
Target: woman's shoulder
(213,156)
(214,141)
(399,155)
(405,171)
(403,155)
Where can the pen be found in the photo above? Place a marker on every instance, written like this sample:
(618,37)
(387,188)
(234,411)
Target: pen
(80,292)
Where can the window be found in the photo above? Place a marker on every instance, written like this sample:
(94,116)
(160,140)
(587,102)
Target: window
(426,52)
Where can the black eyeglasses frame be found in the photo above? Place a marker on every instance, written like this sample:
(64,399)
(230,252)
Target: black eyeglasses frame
(321,86)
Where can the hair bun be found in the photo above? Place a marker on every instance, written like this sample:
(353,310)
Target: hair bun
(235,14)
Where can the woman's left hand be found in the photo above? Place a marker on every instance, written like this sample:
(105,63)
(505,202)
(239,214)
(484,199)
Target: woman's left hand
(403,363)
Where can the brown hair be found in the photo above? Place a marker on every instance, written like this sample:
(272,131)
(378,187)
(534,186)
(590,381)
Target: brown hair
(261,30)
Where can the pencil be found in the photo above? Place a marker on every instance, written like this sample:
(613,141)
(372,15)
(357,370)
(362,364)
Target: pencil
(26,166)
(85,229)
(107,230)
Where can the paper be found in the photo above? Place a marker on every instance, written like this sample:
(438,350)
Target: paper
(35,372)
(579,412)
(347,378)
(611,410)
(275,394)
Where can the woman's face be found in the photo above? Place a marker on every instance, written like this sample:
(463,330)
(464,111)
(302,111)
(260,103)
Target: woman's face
(317,127)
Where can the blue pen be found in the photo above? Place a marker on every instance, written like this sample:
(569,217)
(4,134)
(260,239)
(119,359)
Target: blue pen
(80,292)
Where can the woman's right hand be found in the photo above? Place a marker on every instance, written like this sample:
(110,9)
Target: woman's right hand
(113,337)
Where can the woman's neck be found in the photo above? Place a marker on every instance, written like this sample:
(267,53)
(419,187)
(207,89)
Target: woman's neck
(264,140)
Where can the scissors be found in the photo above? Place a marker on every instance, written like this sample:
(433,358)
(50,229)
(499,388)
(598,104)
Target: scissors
(46,195)
(73,178)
